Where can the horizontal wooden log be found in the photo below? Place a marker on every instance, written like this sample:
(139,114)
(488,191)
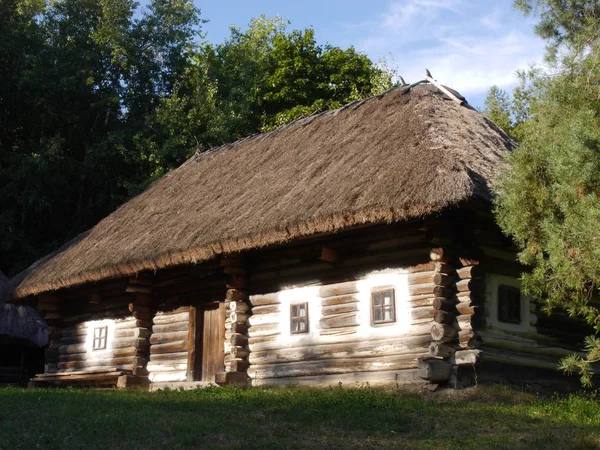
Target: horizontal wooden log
(161,338)
(178,375)
(434,370)
(377,378)
(467,339)
(171,327)
(332,366)
(167,356)
(444,304)
(239,317)
(264,299)
(264,330)
(263,319)
(241,328)
(422,313)
(124,342)
(466,357)
(444,317)
(420,289)
(267,309)
(163,319)
(239,307)
(171,347)
(464,308)
(78,365)
(339,309)
(238,340)
(168,366)
(72,348)
(238,365)
(442,291)
(441,279)
(348,287)
(469,272)
(338,331)
(239,352)
(339,299)
(443,332)
(339,320)
(129,322)
(440,350)
(132,332)
(360,349)
(420,277)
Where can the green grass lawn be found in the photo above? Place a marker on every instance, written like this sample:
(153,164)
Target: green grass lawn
(478,418)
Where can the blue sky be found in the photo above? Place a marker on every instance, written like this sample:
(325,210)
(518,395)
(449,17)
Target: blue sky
(466,44)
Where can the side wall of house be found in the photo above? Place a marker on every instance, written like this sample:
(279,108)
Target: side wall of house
(538,340)
(342,344)
(97,328)
(336,277)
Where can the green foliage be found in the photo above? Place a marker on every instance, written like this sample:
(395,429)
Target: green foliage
(497,107)
(549,199)
(98,98)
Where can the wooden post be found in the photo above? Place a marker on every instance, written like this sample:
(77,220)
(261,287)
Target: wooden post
(142,308)
(236,322)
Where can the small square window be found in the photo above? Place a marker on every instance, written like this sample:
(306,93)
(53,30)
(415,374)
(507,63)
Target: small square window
(299,318)
(100,338)
(383,306)
(509,304)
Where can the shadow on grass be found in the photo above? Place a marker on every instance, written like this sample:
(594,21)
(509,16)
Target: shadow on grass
(292,418)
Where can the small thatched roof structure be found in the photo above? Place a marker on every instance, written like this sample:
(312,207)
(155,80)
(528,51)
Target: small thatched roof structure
(400,155)
(21,322)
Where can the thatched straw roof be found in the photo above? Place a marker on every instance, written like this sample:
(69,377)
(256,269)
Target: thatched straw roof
(20,321)
(396,156)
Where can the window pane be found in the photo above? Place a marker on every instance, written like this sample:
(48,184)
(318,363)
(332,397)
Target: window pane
(377,298)
(388,313)
(294,312)
(302,311)
(387,297)
(378,314)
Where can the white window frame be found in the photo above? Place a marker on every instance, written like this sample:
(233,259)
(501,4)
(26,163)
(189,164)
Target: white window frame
(493,282)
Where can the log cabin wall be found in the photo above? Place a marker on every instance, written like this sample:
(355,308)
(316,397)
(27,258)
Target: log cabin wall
(538,340)
(335,278)
(92,329)
(172,339)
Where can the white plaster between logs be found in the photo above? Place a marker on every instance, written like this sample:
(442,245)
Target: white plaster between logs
(289,297)
(89,339)
(396,279)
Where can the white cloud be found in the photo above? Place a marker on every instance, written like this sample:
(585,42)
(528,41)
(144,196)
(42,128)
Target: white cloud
(466,44)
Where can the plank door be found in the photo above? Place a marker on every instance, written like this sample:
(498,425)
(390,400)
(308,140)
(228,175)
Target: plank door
(210,334)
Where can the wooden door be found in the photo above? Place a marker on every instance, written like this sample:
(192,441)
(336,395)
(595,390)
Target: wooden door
(210,334)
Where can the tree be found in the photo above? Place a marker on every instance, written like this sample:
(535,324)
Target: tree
(78,78)
(497,106)
(549,198)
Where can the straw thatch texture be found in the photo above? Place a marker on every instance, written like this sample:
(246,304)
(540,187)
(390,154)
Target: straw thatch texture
(20,321)
(389,158)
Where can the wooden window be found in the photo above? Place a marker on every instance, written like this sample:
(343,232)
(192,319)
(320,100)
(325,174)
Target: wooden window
(100,338)
(299,318)
(383,306)
(509,304)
